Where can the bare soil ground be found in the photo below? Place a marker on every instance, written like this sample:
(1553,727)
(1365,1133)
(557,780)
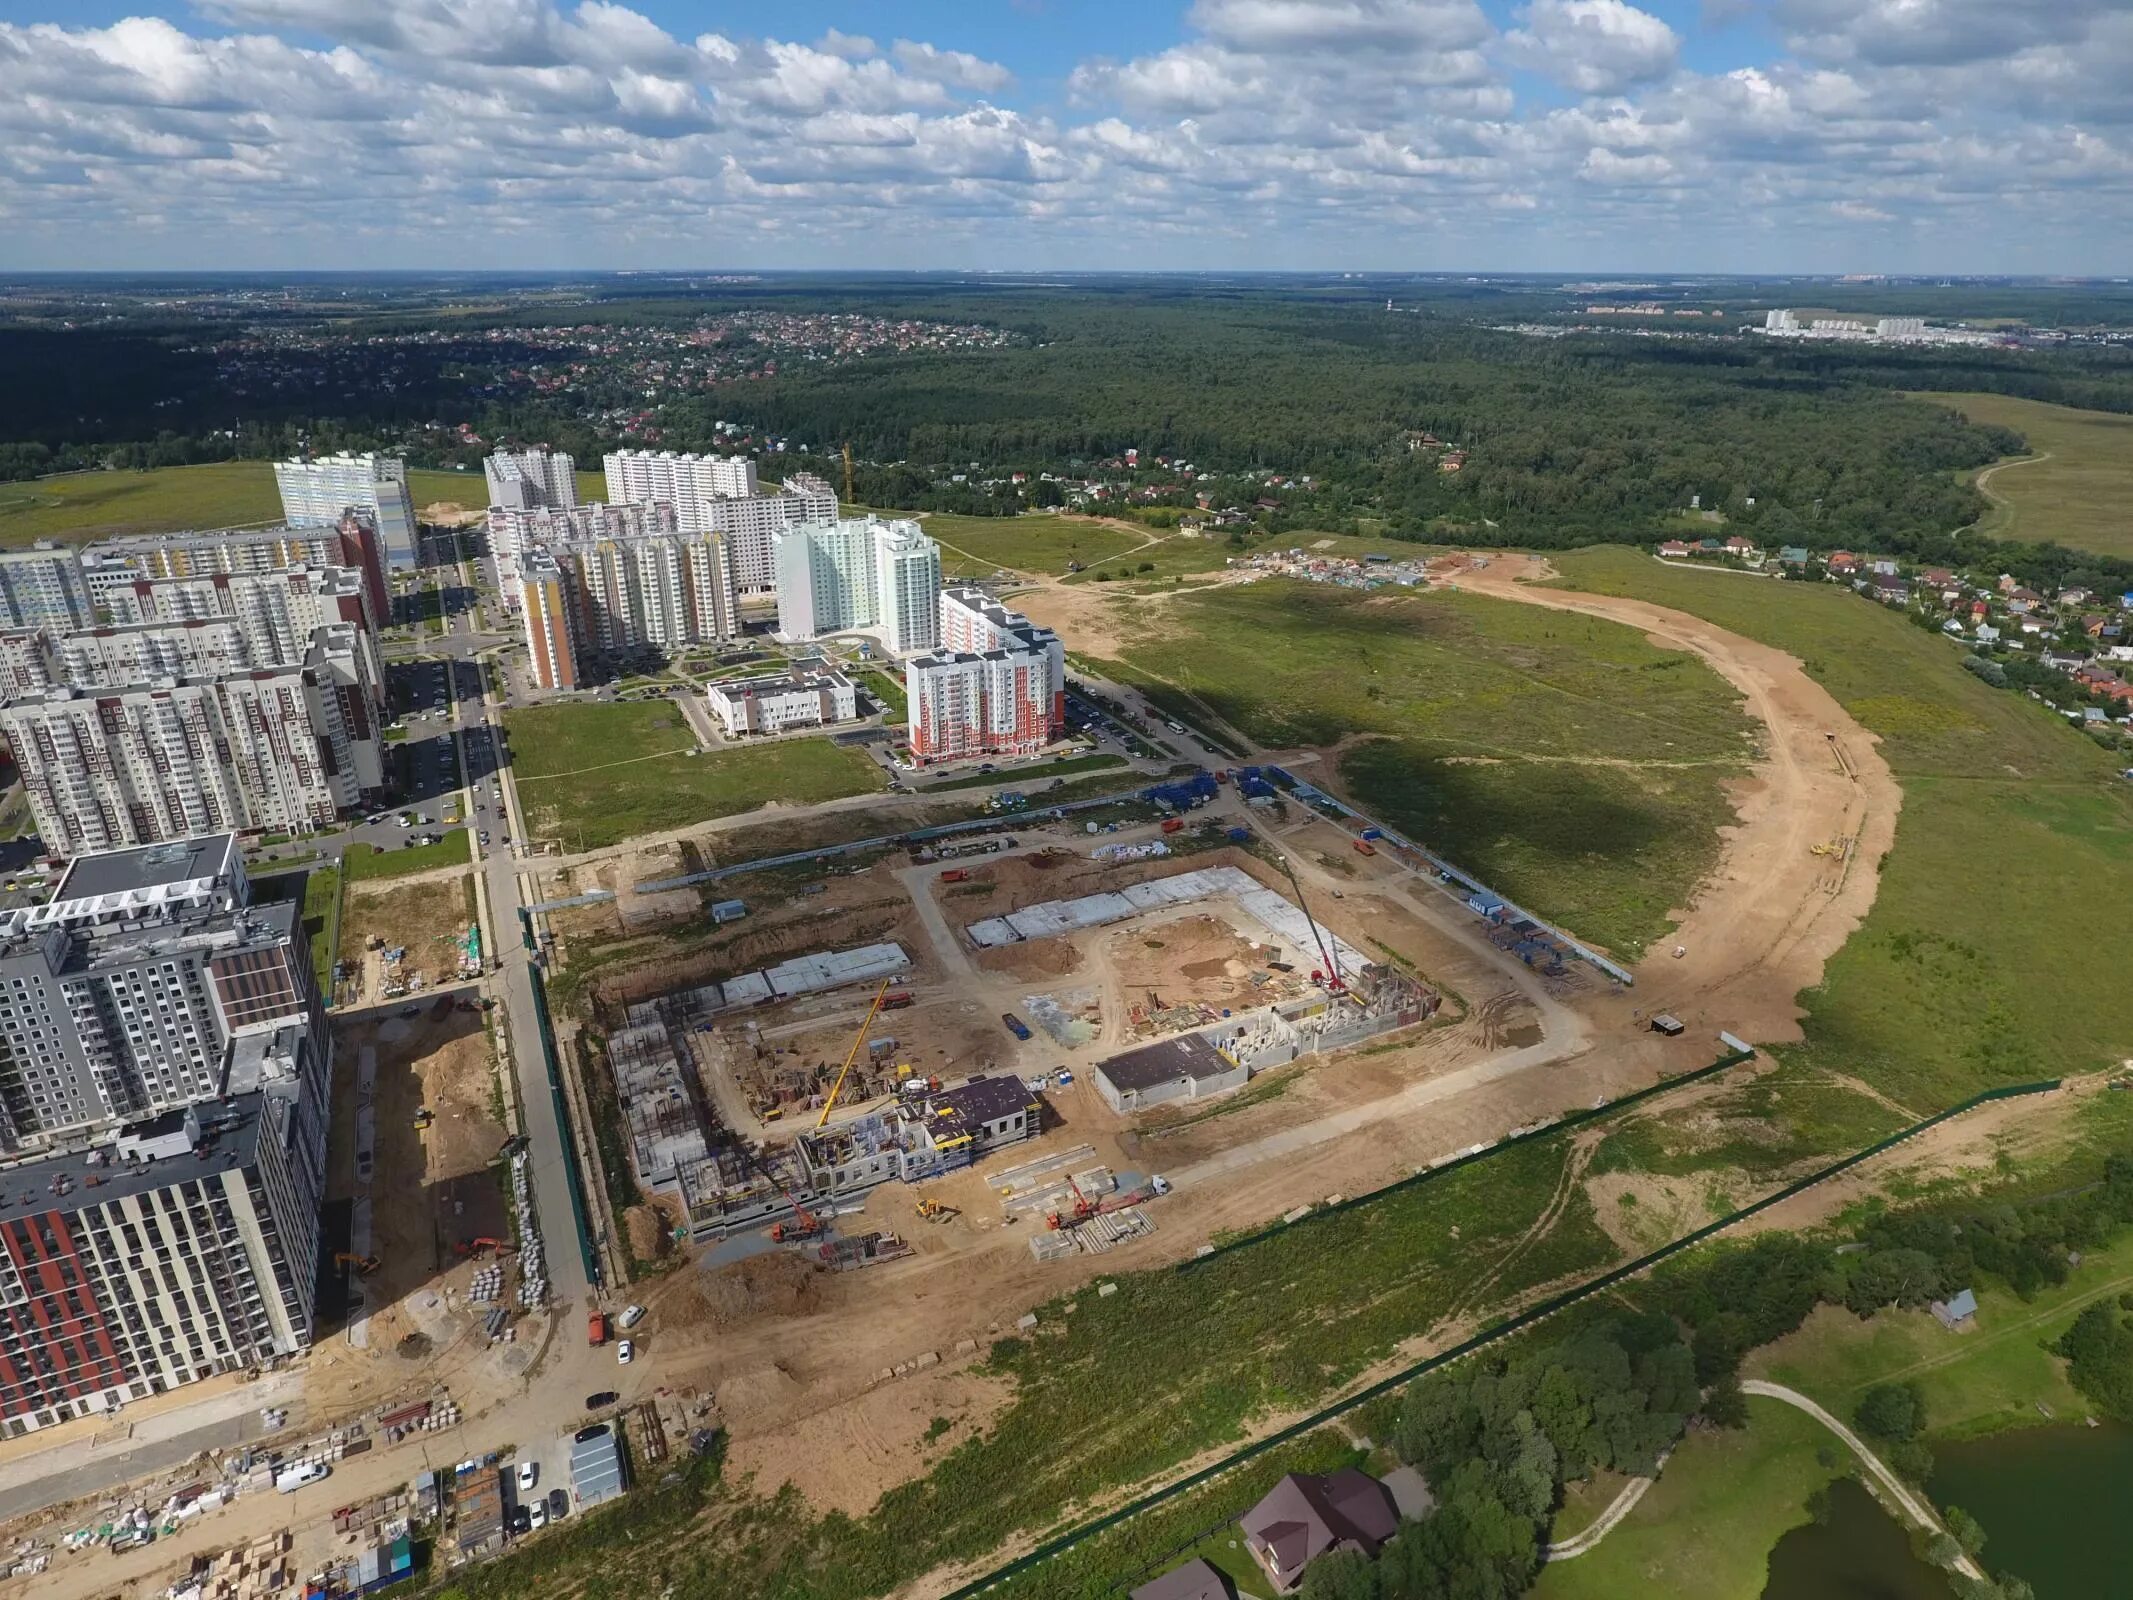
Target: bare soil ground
(426,918)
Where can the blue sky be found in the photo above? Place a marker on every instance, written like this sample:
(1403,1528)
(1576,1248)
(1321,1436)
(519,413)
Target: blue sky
(1547,135)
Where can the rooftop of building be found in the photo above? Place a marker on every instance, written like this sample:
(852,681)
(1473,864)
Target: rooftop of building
(987,1099)
(781,683)
(122,1158)
(183,866)
(1166,1061)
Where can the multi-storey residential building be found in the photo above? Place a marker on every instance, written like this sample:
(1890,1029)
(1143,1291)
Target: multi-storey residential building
(315,493)
(545,605)
(859,574)
(722,493)
(284,747)
(513,533)
(522,480)
(277,612)
(351,541)
(42,587)
(776,704)
(165,1076)
(617,594)
(996,687)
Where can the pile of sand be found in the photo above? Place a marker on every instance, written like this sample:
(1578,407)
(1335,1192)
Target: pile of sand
(777,1283)
(1032,958)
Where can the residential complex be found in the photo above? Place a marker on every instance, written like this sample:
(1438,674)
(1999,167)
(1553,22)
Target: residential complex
(315,493)
(164,1084)
(859,574)
(775,704)
(115,566)
(1883,330)
(644,586)
(997,685)
(42,587)
(513,532)
(721,493)
(524,480)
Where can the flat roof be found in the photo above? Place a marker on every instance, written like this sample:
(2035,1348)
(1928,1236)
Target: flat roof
(230,1127)
(987,1099)
(596,1467)
(1165,1061)
(152,866)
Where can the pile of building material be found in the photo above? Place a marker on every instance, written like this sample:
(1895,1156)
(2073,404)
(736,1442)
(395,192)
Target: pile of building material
(488,1285)
(1099,1233)
(808,974)
(1286,922)
(532,1266)
(1017,1183)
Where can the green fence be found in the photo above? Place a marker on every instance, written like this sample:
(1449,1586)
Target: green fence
(1549,1130)
(579,1214)
(1503,1330)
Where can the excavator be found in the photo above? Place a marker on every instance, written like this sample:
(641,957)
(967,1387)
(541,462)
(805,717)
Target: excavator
(935,1211)
(364,1265)
(481,1246)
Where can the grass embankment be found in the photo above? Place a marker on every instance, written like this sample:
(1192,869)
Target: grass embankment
(1022,777)
(2077,497)
(365,863)
(1571,764)
(595,774)
(889,693)
(95,505)
(322,923)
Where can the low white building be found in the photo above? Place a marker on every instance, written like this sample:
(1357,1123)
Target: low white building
(775,704)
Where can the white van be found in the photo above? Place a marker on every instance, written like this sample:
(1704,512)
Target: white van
(632,1315)
(291,1479)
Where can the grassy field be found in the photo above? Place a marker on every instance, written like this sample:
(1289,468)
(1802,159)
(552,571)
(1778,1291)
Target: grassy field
(594,775)
(1037,543)
(1705,1529)
(1021,777)
(889,692)
(2001,904)
(363,864)
(2080,496)
(94,505)
(1571,764)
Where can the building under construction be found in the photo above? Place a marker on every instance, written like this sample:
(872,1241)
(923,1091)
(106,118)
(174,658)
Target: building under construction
(737,1187)
(1223,1055)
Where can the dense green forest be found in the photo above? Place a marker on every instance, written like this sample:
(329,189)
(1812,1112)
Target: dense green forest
(1566,441)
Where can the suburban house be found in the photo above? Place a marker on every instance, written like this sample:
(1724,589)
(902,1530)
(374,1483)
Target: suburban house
(1843,563)
(1674,550)
(1304,1517)
(1889,589)
(1958,1311)
(1196,1580)
(1792,555)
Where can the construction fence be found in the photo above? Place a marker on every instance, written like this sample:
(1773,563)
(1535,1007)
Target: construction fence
(1514,1325)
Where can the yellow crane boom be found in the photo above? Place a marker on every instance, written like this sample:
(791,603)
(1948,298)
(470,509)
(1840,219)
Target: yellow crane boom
(852,1054)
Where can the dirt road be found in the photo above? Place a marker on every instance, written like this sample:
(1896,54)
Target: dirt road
(1763,924)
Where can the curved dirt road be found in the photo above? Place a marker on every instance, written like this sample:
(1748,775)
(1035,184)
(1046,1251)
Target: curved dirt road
(1760,928)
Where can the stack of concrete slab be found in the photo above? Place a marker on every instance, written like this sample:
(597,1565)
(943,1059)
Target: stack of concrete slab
(832,969)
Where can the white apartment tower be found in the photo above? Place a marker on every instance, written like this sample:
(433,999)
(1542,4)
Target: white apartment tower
(722,493)
(859,574)
(42,587)
(637,585)
(524,480)
(314,493)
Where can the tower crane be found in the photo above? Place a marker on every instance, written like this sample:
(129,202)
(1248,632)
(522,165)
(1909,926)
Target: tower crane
(852,1054)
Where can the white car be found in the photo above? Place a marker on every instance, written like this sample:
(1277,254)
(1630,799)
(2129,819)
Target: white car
(537,1513)
(632,1315)
(625,1353)
(529,1473)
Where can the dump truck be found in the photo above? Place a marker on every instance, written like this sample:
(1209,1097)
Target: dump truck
(596,1329)
(896,1000)
(1365,847)
(955,875)
(1173,824)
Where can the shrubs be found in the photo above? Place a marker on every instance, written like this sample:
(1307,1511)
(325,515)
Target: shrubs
(1894,1415)
(2099,1353)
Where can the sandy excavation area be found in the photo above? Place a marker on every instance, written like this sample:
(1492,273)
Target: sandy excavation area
(800,1371)
(425,916)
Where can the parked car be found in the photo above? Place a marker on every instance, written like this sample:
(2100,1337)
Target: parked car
(558,1505)
(538,1511)
(529,1473)
(606,1397)
(521,1520)
(632,1315)
(625,1353)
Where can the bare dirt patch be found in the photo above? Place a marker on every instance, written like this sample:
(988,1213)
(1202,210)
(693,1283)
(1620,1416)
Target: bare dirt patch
(1032,959)
(1641,1211)
(426,920)
(843,1458)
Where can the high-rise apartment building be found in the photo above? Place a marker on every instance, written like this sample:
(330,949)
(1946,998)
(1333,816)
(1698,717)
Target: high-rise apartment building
(286,747)
(42,587)
(997,686)
(722,493)
(526,480)
(165,1078)
(314,493)
(513,532)
(653,589)
(859,574)
(351,541)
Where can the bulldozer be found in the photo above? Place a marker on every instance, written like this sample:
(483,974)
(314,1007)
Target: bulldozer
(935,1211)
(364,1265)
(1834,847)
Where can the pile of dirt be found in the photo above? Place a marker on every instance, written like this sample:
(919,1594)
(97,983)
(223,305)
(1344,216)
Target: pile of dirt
(649,1232)
(1032,958)
(776,1283)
